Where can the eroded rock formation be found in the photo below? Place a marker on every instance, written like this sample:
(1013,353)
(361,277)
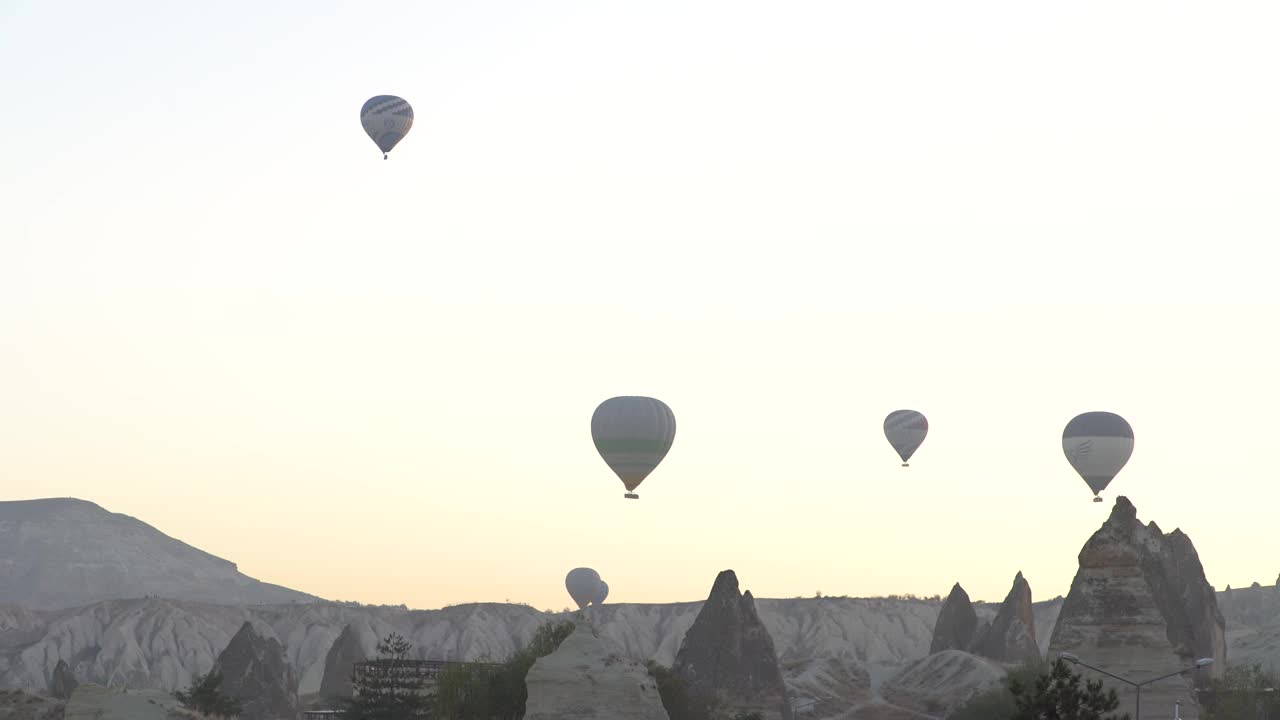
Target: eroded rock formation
(1140,607)
(346,651)
(1011,637)
(63,682)
(957,623)
(254,671)
(728,655)
(587,678)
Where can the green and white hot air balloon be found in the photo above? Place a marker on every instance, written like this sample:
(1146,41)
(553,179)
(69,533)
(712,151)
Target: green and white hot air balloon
(1098,444)
(905,430)
(633,434)
(386,119)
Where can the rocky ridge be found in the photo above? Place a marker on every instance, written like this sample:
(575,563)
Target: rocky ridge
(62,552)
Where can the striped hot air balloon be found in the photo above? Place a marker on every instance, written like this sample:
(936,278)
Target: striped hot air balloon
(387,119)
(905,430)
(1098,444)
(633,434)
(583,585)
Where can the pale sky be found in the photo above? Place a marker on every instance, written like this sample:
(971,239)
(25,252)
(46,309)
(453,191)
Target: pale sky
(223,313)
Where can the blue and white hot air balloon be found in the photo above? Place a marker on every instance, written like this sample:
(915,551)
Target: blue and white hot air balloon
(387,119)
(1097,444)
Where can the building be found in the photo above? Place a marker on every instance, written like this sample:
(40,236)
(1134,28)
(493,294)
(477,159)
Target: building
(387,675)
(418,676)
(384,675)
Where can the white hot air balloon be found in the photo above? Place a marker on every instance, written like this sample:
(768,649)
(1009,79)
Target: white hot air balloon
(387,119)
(905,430)
(1098,444)
(583,585)
(633,434)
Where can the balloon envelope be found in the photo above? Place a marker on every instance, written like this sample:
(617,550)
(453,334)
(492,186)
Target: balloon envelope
(387,119)
(1097,444)
(583,585)
(633,434)
(905,430)
(601,594)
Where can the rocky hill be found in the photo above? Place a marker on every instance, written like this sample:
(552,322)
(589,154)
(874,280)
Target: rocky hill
(62,552)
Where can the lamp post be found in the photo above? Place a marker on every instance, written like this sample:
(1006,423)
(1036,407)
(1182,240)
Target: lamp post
(1074,660)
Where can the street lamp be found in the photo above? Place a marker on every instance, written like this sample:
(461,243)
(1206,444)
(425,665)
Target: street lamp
(1075,660)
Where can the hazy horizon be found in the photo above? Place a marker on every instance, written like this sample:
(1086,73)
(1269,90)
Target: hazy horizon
(223,313)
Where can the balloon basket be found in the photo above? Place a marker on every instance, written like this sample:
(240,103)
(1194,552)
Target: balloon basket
(1097,499)
(906,464)
(631,496)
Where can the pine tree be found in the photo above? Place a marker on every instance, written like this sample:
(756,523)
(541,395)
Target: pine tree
(1057,695)
(384,688)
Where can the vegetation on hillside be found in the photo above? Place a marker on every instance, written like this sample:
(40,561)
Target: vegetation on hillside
(1244,692)
(1035,691)
(205,696)
(482,691)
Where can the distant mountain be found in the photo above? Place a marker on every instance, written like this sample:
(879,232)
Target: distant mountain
(63,552)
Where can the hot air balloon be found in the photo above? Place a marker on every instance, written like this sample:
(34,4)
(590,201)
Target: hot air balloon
(602,593)
(1097,444)
(905,430)
(387,119)
(633,434)
(583,585)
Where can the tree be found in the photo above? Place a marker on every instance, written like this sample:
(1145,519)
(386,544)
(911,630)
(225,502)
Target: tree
(1244,692)
(383,688)
(205,696)
(1057,695)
